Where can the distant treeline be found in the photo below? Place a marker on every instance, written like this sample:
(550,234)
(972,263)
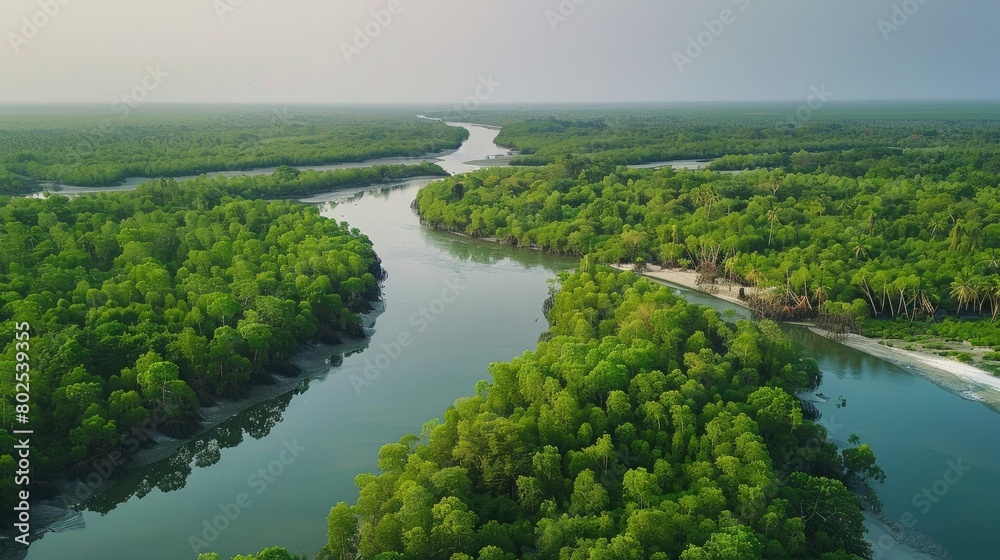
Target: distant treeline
(287,182)
(744,141)
(78,152)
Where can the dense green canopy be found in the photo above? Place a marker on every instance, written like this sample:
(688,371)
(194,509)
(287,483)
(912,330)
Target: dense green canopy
(888,243)
(641,427)
(144,305)
(11,184)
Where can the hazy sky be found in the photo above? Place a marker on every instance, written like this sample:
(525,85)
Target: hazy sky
(271,51)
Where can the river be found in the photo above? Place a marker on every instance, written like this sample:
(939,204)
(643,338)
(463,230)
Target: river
(312,441)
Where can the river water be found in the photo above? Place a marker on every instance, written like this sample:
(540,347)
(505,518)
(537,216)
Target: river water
(278,467)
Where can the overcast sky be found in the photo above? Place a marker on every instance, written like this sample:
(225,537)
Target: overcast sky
(271,51)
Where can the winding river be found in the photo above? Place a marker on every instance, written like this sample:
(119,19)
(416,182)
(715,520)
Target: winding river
(293,456)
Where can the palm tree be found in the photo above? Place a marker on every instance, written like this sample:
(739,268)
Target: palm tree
(729,267)
(820,291)
(992,259)
(984,289)
(965,235)
(964,290)
(957,236)
(936,225)
(994,288)
(707,197)
(973,236)
(772,217)
(860,250)
(753,274)
(861,279)
(846,206)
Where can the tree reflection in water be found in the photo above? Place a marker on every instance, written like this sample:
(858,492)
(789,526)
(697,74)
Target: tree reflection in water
(172,473)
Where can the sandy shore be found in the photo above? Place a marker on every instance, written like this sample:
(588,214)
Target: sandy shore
(902,357)
(689,279)
(887,546)
(960,378)
(978,384)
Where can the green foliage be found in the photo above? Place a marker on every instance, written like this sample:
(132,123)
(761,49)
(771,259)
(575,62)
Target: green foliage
(289,182)
(890,245)
(978,333)
(143,305)
(844,144)
(267,554)
(11,184)
(89,151)
(585,448)
(964,357)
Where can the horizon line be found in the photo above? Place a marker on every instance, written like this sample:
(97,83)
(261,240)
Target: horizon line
(509,103)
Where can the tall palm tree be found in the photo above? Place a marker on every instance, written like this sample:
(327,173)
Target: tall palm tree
(936,225)
(821,291)
(753,274)
(872,218)
(995,296)
(973,236)
(707,197)
(957,236)
(773,218)
(984,288)
(729,267)
(861,279)
(963,289)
